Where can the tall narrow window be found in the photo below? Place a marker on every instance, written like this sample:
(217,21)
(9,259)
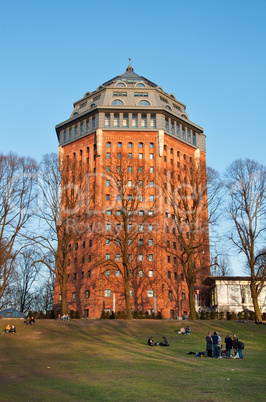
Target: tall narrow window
(144,120)
(188,135)
(183,133)
(166,125)
(125,120)
(134,121)
(116,120)
(177,130)
(194,139)
(153,121)
(172,128)
(93,123)
(107,120)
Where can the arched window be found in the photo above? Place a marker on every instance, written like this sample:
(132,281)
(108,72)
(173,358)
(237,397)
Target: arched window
(120,84)
(167,107)
(140,85)
(117,102)
(119,144)
(108,144)
(144,103)
(130,145)
(141,145)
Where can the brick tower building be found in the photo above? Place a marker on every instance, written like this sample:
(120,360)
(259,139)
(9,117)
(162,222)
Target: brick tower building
(135,144)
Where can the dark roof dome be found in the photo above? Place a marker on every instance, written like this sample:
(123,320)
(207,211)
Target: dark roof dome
(130,77)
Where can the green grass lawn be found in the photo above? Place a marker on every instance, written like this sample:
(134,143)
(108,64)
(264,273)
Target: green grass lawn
(109,360)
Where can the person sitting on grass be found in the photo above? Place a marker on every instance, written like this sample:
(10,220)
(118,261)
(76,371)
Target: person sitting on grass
(164,342)
(150,341)
(32,320)
(182,331)
(187,330)
(7,329)
(13,330)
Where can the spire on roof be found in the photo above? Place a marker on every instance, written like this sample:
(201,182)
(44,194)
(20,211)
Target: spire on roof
(130,68)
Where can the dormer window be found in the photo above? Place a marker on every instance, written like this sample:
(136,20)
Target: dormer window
(140,85)
(144,103)
(117,102)
(120,84)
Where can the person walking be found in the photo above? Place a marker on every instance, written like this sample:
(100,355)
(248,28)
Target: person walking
(215,344)
(228,346)
(209,344)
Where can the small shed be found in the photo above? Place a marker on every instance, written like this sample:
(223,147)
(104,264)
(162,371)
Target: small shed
(11,313)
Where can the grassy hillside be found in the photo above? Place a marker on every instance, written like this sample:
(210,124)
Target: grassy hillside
(109,360)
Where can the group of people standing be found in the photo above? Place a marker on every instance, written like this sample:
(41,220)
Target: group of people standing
(214,344)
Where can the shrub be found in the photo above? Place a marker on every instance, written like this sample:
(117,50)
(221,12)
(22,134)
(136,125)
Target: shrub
(202,315)
(228,315)
(141,315)
(252,316)
(207,315)
(233,316)
(246,315)
(121,315)
(214,315)
(104,315)
(147,315)
(221,315)
(77,315)
(159,315)
(41,315)
(264,316)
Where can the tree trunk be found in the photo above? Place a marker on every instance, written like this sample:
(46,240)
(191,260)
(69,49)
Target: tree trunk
(127,298)
(192,314)
(64,297)
(254,295)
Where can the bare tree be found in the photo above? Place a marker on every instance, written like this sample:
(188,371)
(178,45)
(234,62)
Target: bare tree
(16,197)
(220,265)
(43,297)
(126,224)
(246,184)
(26,275)
(61,209)
(194,197)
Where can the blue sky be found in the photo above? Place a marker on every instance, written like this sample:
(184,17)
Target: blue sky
(210,54)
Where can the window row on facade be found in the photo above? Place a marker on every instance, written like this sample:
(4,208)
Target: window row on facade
(130,120)
(117,273)
(180,131)
(108,293)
